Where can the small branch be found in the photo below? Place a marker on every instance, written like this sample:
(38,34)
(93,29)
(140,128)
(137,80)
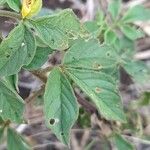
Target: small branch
(137,139)
(9,14)
(145,55)
(47,69)
(40,75)
(87,105)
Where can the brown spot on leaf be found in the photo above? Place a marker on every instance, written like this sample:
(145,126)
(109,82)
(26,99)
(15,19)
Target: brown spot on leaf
(97,90)
(97,66)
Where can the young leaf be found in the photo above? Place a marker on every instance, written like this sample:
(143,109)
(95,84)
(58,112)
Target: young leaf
(11,104)
(114,8)
(137,13)
(16,141)
(90,55)
(110,37)
(60,105)
(131,32)
(14,4)
(101,88)
(41,56)
(121,143)
(56,30)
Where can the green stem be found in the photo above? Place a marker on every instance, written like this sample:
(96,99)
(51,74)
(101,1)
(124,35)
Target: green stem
(9,14)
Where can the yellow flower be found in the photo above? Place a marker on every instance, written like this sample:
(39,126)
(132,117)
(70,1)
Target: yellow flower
(30,8)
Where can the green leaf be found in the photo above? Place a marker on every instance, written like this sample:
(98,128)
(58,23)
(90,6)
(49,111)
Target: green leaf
(18,49)
(101,88)
(60,105)
(41,56)
(39,42)
(12,52)
(13,81)
(11,44)
(11,104)
(90,55)
(97,26)
(110,37)
(131,32)
(16,141)
(125,47)
(17,60)
(56,30)
(121,143)
(138,70)
(92,27)
(30,46)
(137,13)
(14,4)
(114,8)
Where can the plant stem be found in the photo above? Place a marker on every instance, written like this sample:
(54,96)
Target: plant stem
(86,105)
(9,14)
(40,75)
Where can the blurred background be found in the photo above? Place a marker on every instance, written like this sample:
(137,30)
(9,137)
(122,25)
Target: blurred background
(90,132)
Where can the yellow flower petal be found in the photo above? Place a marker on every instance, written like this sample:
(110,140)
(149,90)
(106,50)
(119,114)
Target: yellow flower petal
(31,8)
